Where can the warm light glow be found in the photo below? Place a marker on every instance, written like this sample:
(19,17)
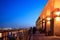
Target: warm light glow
(0,35)
(57,18)
(57,13)
(48,22)
(48,18)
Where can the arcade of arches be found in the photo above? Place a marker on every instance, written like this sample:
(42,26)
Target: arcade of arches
(49,19)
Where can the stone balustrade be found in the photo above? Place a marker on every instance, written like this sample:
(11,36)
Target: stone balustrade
(20,34)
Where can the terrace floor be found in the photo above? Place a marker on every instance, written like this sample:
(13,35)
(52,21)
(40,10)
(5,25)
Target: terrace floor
(38,36)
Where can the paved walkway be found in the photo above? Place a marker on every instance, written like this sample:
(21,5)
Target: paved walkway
(39,36)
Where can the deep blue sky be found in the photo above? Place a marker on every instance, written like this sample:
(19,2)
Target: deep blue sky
(20,12)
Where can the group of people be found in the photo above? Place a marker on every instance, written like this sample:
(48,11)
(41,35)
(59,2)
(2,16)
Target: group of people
(31,32)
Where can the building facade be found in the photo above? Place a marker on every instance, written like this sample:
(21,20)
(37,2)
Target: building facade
(49,19)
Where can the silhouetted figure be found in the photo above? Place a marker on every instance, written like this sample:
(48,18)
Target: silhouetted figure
(30,33)
(34,30)
(10,37)
(1,38)
(14,37)
(20,35)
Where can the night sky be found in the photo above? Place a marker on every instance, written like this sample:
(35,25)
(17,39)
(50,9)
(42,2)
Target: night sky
(20,13)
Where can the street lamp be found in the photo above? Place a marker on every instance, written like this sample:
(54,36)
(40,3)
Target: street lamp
(57,16)
(57,13)
(48,18)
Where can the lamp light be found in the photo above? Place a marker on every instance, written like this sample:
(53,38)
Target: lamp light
(48,18)
(57,18)
(57,13)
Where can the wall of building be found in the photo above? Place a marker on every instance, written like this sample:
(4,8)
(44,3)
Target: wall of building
(47,11)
